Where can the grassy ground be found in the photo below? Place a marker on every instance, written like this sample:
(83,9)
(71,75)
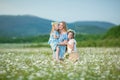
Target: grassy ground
(22,63)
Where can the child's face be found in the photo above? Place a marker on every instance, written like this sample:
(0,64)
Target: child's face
(70,35)
(56,26)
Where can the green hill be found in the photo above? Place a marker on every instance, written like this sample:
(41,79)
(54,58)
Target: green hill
(26,25)
(113,32)
(13,26)
(88,29)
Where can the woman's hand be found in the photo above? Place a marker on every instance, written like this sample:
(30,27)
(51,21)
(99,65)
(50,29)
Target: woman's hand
(64,43)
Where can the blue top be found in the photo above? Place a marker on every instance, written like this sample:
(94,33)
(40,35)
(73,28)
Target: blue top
(62,49)
(54,41)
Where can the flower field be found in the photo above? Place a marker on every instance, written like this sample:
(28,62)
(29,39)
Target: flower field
(37,64)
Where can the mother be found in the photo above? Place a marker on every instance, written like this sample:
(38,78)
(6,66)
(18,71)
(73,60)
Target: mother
(62,39)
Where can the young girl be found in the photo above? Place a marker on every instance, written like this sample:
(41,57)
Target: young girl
(54,39)
(71,46)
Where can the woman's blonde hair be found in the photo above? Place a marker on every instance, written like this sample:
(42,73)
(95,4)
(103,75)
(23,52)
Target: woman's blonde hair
(64,26)
(53,26)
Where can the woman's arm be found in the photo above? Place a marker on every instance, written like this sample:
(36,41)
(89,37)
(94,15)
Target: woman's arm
(64,43)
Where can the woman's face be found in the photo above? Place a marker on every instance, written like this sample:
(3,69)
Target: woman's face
(61,26)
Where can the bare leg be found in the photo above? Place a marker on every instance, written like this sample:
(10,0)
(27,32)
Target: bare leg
(57,53)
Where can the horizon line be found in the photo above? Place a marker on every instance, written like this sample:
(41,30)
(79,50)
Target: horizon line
(56,20)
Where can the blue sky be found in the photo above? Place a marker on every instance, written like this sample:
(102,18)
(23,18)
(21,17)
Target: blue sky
(65,10)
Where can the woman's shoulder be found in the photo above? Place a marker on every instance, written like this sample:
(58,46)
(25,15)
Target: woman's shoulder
(64,34)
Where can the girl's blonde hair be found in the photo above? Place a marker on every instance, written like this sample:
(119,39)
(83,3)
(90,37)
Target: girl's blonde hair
(53,26)
(64,26)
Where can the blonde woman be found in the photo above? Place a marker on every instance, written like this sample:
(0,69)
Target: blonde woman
(62,40)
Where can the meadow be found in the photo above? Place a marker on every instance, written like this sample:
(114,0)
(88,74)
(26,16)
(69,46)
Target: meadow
(20,62)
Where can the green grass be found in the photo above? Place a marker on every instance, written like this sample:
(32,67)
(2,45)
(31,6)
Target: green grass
(83,40)
(22,63)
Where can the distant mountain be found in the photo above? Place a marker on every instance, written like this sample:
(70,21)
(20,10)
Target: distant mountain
(91,27)
(23,25)
(26,25)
